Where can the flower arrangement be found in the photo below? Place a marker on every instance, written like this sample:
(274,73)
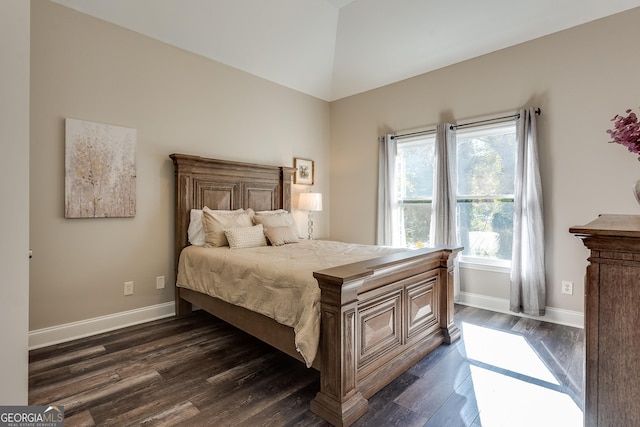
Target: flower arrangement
(626,131)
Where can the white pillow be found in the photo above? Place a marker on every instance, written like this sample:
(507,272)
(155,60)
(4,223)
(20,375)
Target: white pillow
(196,232)
(280,219)
(245,237)
(276,211)
(215,222)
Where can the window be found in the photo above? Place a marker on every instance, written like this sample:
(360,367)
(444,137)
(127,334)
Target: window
(486,159)
(486,165)
(414,173)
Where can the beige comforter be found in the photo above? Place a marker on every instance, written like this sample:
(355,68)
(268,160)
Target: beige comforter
(276,281)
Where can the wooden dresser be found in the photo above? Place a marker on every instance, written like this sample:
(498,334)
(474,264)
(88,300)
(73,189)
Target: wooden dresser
(612,320)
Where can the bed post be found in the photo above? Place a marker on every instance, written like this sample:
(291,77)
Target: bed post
(339,401)
(285,193)
(183,166)
(449,329)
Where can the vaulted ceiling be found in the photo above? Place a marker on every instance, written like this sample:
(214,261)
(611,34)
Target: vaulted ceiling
(331,49)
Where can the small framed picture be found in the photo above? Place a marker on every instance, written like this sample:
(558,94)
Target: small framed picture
(304,171)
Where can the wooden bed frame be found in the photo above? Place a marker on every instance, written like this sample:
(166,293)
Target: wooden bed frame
(378,317)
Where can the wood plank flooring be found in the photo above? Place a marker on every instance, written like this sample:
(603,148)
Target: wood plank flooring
(199,371)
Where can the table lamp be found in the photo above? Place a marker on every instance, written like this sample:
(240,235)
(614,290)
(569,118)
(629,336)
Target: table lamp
(311,202)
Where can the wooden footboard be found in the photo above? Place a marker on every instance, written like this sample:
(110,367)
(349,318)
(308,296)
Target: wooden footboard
(379,317)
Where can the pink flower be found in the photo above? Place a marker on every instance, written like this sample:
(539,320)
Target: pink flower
(626,131)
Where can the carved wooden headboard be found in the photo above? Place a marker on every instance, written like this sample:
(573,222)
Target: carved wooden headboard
(221,184)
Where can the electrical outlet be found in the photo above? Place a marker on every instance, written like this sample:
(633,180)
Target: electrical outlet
(160,282)
(128,288)
(567,287)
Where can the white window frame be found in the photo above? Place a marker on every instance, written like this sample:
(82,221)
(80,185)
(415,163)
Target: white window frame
(402,201)
(467,261)
(476,262)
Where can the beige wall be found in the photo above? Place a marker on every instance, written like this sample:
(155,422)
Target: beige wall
(179,102)
(87,69)
(580,78)
(14,184)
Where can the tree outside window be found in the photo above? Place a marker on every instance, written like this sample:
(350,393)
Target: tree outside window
(485,194)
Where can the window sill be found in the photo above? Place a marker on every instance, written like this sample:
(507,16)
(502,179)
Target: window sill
(497,266)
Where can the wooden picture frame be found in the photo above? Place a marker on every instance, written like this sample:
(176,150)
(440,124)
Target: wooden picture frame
(304,171)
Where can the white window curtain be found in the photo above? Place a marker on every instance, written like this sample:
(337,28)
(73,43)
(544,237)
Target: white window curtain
(528,289)
(443,212)
(387,200)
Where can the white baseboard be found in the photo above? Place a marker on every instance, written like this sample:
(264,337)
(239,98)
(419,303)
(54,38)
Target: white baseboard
(71,331)
(84,328)
(553,315)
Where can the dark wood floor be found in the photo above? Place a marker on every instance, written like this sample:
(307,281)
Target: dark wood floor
(506,371)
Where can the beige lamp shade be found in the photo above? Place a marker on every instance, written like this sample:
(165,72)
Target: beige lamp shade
(310,202)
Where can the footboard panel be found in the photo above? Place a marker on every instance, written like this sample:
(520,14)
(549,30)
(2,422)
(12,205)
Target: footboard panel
(421,305)
(378,328)
(379,317)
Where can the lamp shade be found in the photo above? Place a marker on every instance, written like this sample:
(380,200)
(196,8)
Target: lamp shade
(310,202)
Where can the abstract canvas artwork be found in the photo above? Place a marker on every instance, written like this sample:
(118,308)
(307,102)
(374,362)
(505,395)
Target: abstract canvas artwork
(100,170)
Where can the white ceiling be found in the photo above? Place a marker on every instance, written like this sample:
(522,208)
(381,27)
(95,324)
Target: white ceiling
(331,49)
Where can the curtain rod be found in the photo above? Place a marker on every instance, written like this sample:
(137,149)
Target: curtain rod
(422,132)
(428,131)
(495,119)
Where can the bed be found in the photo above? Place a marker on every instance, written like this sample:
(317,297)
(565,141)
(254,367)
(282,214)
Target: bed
(378,316)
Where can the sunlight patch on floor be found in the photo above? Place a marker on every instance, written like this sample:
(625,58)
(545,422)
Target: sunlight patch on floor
(526,394)
(505,351)
(506,401)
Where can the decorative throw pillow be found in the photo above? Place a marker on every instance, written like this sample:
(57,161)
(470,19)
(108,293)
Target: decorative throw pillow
(279,236)
(272,220)
(215,222)
(245,237)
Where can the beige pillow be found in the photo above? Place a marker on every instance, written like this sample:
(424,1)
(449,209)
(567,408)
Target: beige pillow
(279,236)
(245,237)
(272,220)
(196,231)
(214,224)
